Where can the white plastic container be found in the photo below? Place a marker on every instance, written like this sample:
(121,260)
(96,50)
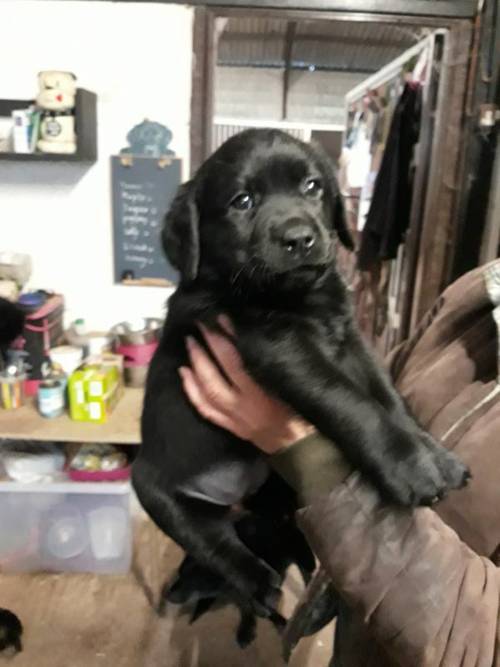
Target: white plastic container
(65,527)
(21,130)
(29,462)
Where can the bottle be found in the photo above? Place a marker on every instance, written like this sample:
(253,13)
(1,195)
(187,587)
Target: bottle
(80,327)
(77,336)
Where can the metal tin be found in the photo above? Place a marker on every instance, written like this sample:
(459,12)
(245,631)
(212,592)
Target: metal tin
(137,341)
(139,332)
(51,398)
(12,391)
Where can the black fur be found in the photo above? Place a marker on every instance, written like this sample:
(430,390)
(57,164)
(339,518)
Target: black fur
(271,268)
(11,631)
(11,325)
(274,539)
(11,322)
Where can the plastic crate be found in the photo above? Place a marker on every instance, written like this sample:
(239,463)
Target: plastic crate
(65,527)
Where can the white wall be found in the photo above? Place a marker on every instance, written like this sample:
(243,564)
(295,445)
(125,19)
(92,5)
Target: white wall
(137,58)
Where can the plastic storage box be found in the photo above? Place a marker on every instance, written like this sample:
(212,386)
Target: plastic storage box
(65,527)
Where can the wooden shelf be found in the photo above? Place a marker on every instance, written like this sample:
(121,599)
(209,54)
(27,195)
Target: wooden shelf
(43,157)
(123,426)
(85,127)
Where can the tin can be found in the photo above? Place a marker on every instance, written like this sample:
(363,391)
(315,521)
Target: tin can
(12,391)
(51,398)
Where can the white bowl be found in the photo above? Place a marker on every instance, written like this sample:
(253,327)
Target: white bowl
(31,462)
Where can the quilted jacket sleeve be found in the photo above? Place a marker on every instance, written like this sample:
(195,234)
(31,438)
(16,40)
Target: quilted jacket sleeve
(424,596)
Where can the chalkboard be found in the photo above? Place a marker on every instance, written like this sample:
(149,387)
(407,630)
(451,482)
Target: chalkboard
(142,190)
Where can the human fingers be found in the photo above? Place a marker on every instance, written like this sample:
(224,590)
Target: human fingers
(201,403)
(227,356)
(226,324)
(209,377)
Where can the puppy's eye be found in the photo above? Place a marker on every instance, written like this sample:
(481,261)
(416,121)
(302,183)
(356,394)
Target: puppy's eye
(312,187)
(243,202)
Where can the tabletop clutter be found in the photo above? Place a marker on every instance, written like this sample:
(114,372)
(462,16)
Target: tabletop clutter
(48,124)
(66,507)
(77,371)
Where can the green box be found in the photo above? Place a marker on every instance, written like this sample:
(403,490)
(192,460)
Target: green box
(93,392)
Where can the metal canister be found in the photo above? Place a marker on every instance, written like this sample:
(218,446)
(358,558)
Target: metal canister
(12,391)
(51,398)
(137,342)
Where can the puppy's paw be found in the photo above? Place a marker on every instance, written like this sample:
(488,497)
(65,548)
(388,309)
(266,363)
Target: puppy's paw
(455,473)
(424,474)
(247,631)
(265,590)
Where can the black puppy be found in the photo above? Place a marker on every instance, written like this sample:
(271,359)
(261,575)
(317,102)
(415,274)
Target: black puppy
(253,236)
(11,325)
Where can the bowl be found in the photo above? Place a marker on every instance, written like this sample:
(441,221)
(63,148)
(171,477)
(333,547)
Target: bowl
(31,462)
(138,332)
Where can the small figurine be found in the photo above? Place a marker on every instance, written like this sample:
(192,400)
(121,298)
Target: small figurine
(56,101)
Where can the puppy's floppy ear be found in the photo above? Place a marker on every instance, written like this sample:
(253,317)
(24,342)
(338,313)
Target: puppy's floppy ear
(340,222)
(180,235)
(333,192)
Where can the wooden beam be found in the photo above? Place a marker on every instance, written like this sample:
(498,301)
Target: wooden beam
(324,38)
(440,214)
(202,86)
(403,20)
(409,8)
(291,30)
(480,144)
(295,68)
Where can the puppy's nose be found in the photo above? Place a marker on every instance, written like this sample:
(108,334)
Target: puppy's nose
(298,239)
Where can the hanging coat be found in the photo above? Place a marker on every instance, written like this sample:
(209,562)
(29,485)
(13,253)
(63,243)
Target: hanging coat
(389,214)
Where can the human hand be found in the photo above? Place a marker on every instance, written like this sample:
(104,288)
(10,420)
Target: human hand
(237,404)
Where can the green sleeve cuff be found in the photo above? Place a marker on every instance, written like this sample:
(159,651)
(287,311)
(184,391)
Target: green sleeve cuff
(312,466)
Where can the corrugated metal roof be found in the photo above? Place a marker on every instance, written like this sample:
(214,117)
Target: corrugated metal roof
(331,45)
(253,41)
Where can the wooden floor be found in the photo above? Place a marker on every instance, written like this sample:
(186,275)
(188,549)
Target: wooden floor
(91,621)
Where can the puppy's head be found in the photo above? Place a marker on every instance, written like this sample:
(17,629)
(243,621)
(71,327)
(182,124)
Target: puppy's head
(263,209)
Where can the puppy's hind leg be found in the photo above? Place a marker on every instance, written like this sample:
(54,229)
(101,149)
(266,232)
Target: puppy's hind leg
(205,532)
(247,629)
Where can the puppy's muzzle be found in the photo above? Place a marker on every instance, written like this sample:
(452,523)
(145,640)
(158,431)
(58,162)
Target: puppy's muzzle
(298,240)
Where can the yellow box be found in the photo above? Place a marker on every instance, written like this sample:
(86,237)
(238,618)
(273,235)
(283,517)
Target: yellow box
(94,390)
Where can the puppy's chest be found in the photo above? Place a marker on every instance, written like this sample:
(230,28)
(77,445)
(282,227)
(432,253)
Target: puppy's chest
(325,334)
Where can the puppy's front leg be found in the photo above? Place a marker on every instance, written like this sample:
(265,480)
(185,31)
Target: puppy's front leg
(360,362)
(397,459)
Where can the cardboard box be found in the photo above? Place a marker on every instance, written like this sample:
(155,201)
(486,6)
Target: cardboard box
(94,389)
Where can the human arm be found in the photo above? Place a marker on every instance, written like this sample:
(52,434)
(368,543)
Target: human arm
(420,592)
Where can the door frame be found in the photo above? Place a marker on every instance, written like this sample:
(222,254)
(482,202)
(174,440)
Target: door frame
(444,9)
(205,45)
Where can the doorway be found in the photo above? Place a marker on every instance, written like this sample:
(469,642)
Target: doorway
(314,75)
